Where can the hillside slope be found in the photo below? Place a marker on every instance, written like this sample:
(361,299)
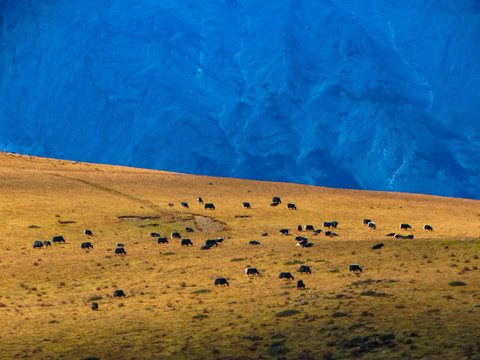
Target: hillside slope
(378,95)
(400,306)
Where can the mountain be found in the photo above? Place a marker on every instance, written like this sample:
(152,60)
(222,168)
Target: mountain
(372,95)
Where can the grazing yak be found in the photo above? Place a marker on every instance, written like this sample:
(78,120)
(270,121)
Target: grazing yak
(300,285)
(120,251)
(154,234)
(118,293)
(390,234)
(301,238)
(120,245)
(309,228)
(209,206)
(186,242)
(366,221)
(274,204)
(88,232)
(405,227)
(378,246)
(428,227)
(254,242)
(398,236)
(251,271)
(330,233)
(221,281)
(327,224)
(372,225)
(246,205)
(211,243)
(355,268)
(334,224)
(286,275)
(299,227)
(265,234)
(205,247)
(318,231)
(58,239)
(86,245)
(175,235)
(189,229)
(94,306)
(47,243)
(37,244)
(276,200)
(199,200)
(409,236)
(162,240)
(184,205)
(305,244)
(291,206)
(305,269)
(284,231)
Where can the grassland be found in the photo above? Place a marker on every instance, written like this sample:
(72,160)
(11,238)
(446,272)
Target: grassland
(403,305)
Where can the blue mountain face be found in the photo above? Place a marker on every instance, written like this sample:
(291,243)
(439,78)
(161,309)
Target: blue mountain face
(380,95)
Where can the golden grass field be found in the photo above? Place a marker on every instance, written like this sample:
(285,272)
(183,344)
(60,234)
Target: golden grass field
(401,307)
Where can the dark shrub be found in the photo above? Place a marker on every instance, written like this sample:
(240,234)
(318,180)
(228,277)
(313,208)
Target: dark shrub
(278,348)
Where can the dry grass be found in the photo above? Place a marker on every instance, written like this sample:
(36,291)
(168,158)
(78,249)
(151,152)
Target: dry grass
(172,308)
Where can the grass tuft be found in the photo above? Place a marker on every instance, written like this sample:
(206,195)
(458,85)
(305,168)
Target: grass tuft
(373,293)
(363,282)
(386,337)
(201,291)
(294,262)
(200,316)
(286,313)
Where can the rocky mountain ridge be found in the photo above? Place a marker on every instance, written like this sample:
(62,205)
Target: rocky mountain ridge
(377,95)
